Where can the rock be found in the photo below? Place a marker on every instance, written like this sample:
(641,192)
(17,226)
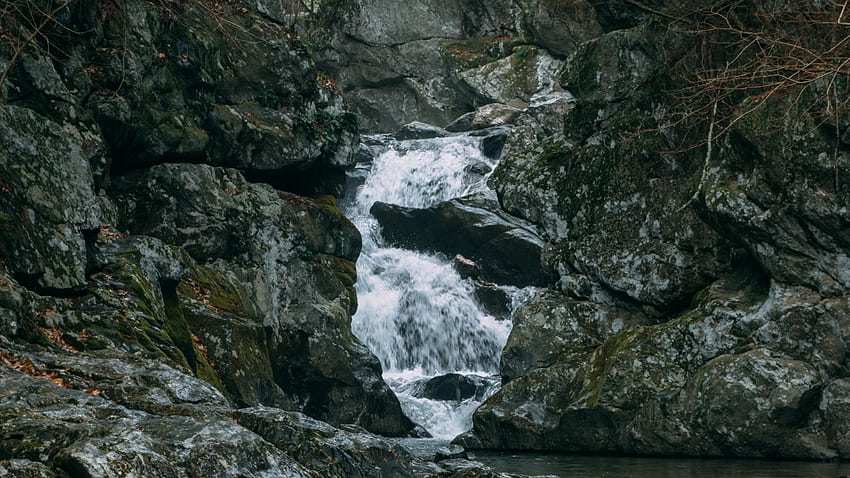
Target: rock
(494,114)
(453,386)
(47,202)
(25,469)
(263,109)
(493,298)
(417,130)
(580,387)
(494,144)
(547,325)
(450,452)
(398,65)
(331,452)
(465,267)
(515,79)
(79,431)
(586,187)
(292,253)
(777,230)
(561,26)
(506,250)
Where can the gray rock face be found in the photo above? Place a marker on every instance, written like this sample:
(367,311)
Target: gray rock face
(298,284)
(150,292)
(562,25)
(436,59)
(80,432)
(714,326)
(330,451)
(47,198)
(494,114)
(516,78)
(507,250)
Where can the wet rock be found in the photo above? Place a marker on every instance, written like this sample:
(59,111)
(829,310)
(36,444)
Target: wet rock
(493,144)
(329,451)
(25,469)
(515,79)
(417,130)
(590,382)
(465,267)
(85,434)
(506,250)
(450,452)
(453,386)
(290,252)
(495,114)
(547,325)
(493,298)
(596,200)
(47,200)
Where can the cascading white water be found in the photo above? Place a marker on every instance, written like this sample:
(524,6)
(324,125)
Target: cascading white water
(415,312)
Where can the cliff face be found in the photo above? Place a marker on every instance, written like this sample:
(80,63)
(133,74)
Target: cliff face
(141,270)
(702,305)
(691,182)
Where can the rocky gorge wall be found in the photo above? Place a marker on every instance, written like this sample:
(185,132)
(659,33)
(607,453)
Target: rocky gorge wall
(162,313)
(701,304)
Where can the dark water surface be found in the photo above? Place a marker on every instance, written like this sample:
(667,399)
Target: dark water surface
(576,466)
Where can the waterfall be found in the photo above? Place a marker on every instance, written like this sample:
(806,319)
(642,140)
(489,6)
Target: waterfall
(415,312)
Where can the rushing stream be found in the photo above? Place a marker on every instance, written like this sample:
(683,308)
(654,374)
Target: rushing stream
(415,312)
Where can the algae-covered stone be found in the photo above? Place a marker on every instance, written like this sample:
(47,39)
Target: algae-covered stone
(547,325)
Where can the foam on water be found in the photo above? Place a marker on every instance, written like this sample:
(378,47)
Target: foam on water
(415,312)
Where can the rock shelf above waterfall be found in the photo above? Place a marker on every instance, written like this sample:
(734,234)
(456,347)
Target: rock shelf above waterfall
(507,249)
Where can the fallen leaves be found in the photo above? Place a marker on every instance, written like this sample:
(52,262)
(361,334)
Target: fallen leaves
(203,348)
(27,367)
(202,294)
(54,335)
(107,232)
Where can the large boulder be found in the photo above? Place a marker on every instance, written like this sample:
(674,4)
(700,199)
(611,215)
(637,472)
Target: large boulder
(48,209)
(278,261)
(507,249)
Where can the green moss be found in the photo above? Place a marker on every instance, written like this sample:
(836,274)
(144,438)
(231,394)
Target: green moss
(601,363)
(205,371)
(345,271)
(554,152)
(214,290)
